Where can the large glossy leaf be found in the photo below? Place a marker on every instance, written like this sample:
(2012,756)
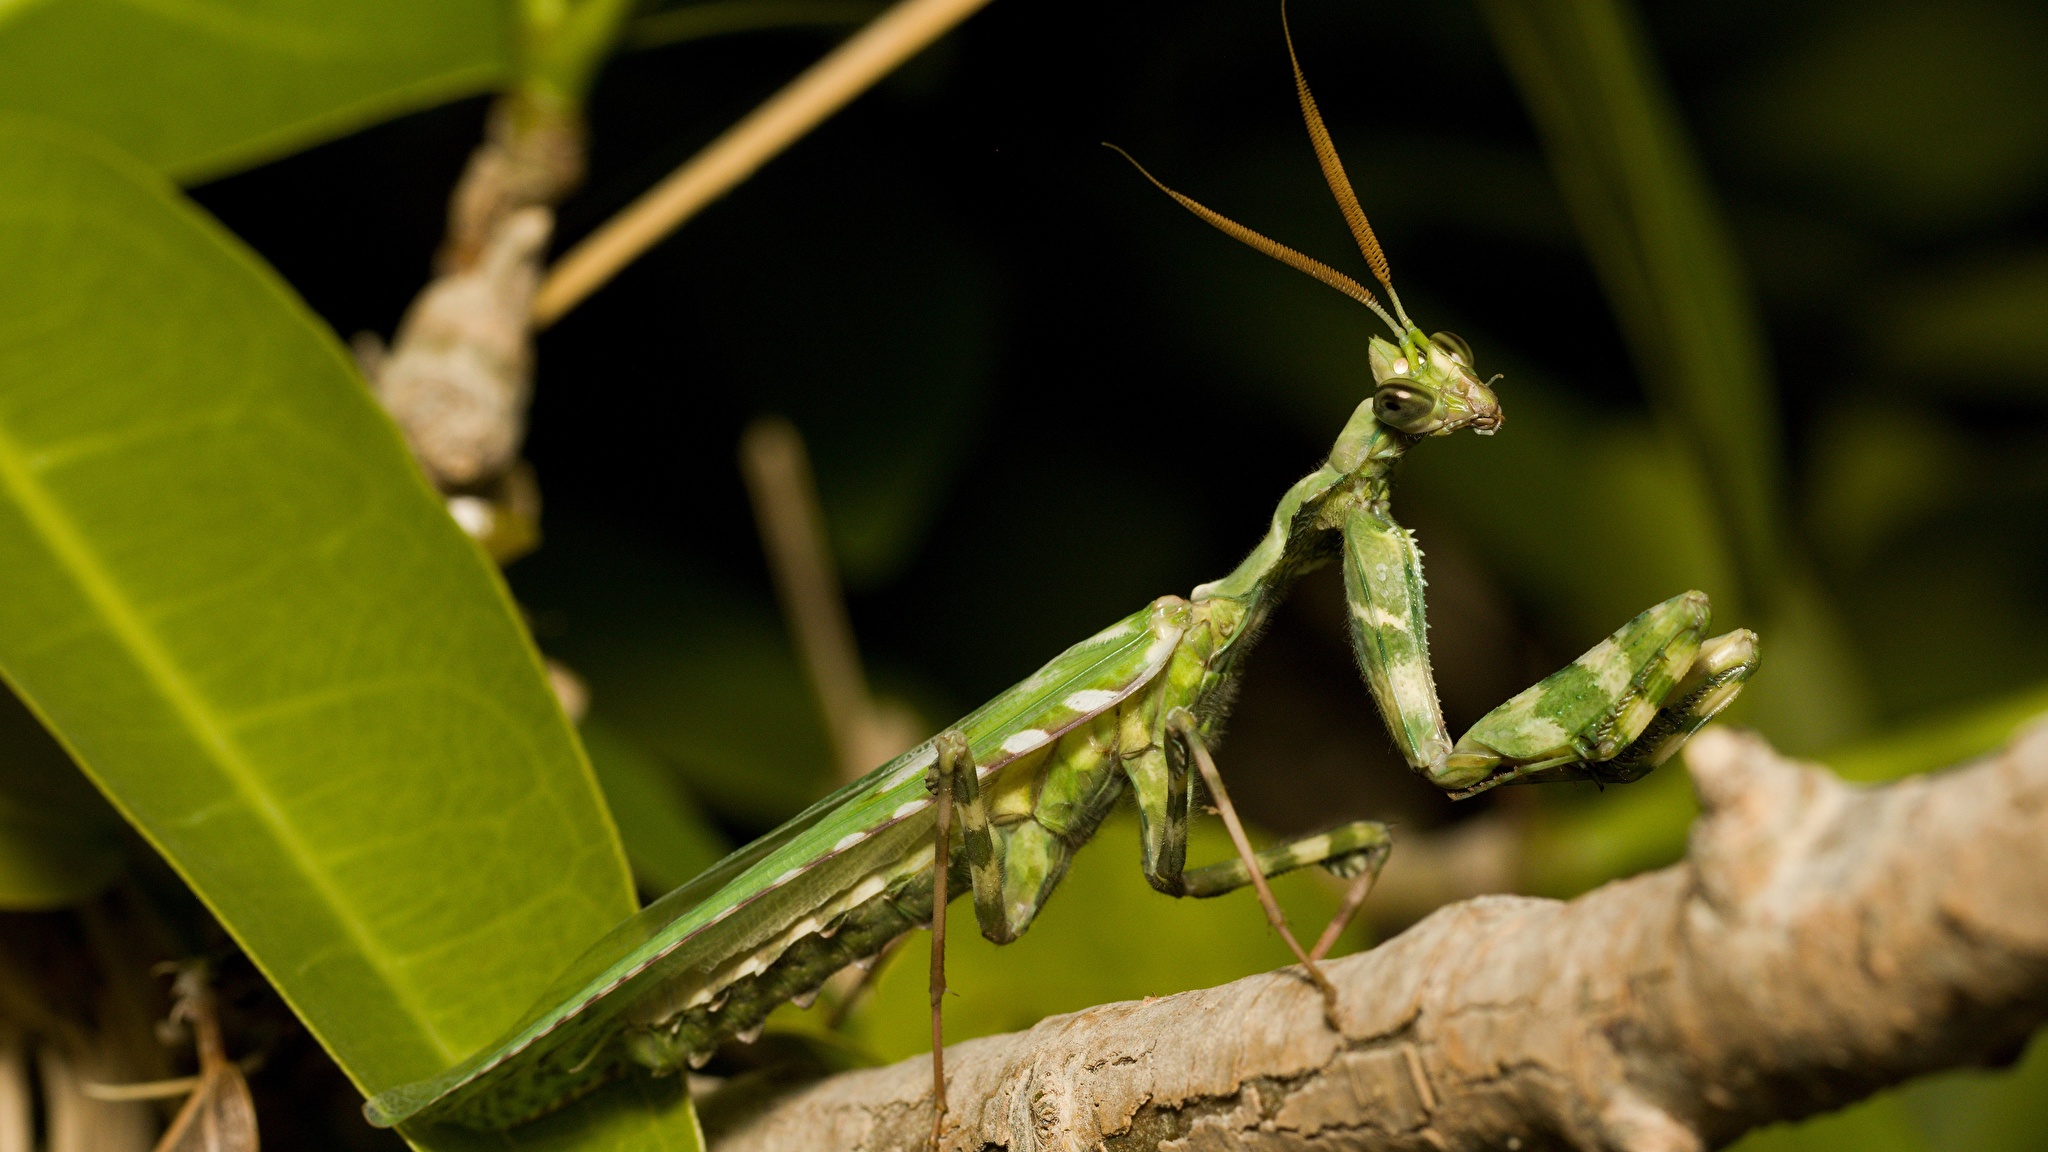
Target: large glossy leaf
(204,87)
(232,595)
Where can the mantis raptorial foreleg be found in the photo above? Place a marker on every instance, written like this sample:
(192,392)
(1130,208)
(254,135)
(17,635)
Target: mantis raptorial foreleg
(1165,798)
(1613,714)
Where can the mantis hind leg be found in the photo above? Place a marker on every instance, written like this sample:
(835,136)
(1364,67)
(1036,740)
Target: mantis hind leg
(1010,876)
(1165,804)
(953,781)
(1356,851)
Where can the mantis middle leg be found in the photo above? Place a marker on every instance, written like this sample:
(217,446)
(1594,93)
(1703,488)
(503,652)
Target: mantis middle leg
(1165,798)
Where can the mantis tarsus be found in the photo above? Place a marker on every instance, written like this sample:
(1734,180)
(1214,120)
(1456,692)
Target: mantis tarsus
(1031,774)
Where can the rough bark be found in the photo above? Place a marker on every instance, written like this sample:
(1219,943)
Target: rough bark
(1819,942)
(459,373)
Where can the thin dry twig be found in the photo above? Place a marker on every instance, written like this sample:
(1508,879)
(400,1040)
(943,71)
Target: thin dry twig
(219,1116)
(1819,942)
(785,499)
(824,88)
(17,1108)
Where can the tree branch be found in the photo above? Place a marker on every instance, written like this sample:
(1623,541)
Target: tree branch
(1819,942)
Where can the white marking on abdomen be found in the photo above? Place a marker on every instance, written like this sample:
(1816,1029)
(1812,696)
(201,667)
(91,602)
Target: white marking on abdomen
(1161,648)
(913,767)
(1018,743)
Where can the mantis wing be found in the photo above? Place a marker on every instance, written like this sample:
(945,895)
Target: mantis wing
(680,943)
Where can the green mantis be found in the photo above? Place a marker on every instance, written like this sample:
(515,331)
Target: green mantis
(1032,774)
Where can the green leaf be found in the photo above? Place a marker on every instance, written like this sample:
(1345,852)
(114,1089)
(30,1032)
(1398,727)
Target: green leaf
(236,601)
(1657,242)
(667,836)
(59,842)
(205,88)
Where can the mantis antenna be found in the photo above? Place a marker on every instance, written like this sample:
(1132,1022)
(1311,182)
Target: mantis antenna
(1266,244)
(1340,187)
(1340,184)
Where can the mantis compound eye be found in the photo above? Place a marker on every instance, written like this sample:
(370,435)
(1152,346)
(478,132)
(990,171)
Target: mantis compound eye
(1404,406)
(1453,346)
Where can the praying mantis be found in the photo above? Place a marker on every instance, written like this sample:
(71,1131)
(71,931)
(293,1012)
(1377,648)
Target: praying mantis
(1031,775)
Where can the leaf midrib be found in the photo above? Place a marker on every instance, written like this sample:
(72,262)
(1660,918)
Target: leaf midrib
(49,520)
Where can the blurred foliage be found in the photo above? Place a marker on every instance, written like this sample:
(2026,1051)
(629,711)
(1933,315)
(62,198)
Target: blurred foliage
(1771,309)
(1657,242)
(667,837)
(686,667)
(1916,117)
(198,90)
(699,21)
(1975,1110)
(59,841)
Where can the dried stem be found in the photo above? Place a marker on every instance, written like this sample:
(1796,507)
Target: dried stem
(779,121)
(785,498)
(17,1110)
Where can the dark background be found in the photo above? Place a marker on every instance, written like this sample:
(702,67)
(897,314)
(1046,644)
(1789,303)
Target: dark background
(1015,364)
(1038,394)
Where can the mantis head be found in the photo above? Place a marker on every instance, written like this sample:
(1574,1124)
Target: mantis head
(1426,386)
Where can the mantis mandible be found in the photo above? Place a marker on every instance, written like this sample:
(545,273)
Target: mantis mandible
(997,804)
